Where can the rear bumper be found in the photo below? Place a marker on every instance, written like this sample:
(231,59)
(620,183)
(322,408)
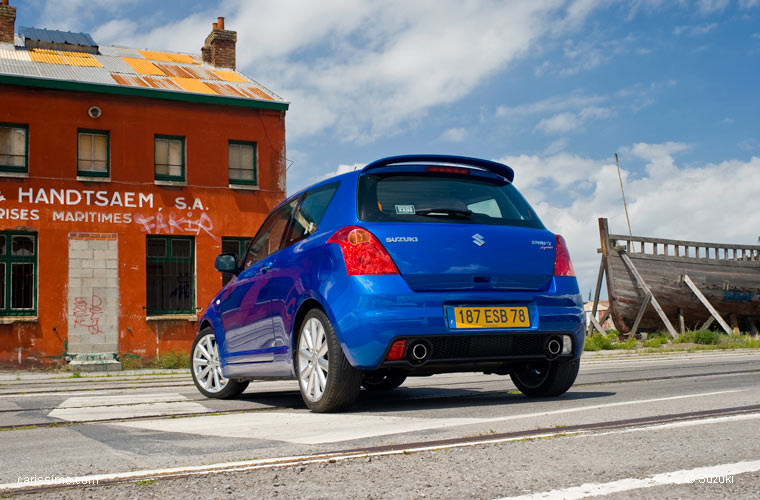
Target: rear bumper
(370,312)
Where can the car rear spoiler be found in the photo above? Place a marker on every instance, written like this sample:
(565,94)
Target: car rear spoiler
(447,160)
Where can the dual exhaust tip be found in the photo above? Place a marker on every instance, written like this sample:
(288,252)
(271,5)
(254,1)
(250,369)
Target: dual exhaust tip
(419,350)
(557,345)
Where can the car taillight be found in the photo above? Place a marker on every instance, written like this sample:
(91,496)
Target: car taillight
(396,351)
(562,264)
(362,252)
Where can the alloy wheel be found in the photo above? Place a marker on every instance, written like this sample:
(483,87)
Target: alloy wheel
(312,359)
(206,365)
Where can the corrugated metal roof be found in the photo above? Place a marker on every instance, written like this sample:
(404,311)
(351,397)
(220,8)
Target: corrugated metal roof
(127,67)
(143,67)
(115,50)
(55,36)
(19,67)
(114,64)
(12,53)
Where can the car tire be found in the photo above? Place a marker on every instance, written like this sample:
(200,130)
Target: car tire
(545,378)
(327,380)
(205,365)
(382,380)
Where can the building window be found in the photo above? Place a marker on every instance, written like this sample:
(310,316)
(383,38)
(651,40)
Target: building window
(14,147)
(93,152)
(18,273)
(235,246)
(170,283)
(169,158)
(243,163)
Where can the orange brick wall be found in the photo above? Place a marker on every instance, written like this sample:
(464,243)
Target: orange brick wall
(205,208)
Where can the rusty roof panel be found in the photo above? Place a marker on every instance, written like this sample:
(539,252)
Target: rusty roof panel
(129,80)
(161,82)
(174,70)
(258,93)
(225,89)
(201,73)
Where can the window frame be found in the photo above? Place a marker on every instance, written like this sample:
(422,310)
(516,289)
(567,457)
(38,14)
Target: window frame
(244,182)
(7,259)
(287,241)
(273,215)
(16,168)
(183,166)
(91,173)
(167,258)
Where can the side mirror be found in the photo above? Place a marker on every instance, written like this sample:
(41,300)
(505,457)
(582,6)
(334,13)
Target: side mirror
(226,263)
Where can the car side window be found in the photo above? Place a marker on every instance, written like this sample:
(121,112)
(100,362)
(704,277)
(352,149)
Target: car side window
(270,235)
(310,212)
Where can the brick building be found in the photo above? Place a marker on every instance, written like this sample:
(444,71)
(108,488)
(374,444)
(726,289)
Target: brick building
(123,173)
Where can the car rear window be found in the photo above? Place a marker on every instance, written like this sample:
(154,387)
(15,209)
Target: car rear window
(442,198)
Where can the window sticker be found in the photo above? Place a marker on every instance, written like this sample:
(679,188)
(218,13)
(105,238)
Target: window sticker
(405,210)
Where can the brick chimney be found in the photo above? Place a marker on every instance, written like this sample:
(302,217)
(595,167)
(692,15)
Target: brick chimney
(219,49)
(8,22)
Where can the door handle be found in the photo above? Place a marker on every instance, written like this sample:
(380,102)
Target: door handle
(265,269)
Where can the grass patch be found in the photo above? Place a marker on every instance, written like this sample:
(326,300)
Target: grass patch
(691,340)
(612,340)
(145,482)
(173,359)
(168,360)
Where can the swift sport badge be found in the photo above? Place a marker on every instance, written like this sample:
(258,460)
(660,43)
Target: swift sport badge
(478,239)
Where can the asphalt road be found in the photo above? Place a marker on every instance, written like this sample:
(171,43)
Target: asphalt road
(634,426)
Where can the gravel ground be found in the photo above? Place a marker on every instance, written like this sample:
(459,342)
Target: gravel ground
(484,472)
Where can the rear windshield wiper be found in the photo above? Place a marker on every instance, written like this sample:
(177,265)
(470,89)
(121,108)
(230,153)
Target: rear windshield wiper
(452,212)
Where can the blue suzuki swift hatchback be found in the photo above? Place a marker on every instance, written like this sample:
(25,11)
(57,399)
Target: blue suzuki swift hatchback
(413,265)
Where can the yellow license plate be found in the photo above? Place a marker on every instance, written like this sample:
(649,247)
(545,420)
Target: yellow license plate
(491,317)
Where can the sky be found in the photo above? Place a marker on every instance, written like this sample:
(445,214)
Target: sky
(553,88)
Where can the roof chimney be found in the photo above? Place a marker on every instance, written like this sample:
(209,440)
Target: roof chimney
(219,49)
(7,22)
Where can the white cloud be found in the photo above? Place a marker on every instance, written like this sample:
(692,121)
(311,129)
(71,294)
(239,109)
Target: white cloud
(379,66)
(749,4)
(567,122)
(458,134)
(701,29)
(571,192)
(343,169)
(710,6)
(572,101)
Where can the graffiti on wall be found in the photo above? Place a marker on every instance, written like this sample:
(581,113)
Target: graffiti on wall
(87,314)
(158,224)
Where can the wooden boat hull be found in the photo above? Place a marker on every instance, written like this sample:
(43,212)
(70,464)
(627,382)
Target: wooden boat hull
(727,275)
